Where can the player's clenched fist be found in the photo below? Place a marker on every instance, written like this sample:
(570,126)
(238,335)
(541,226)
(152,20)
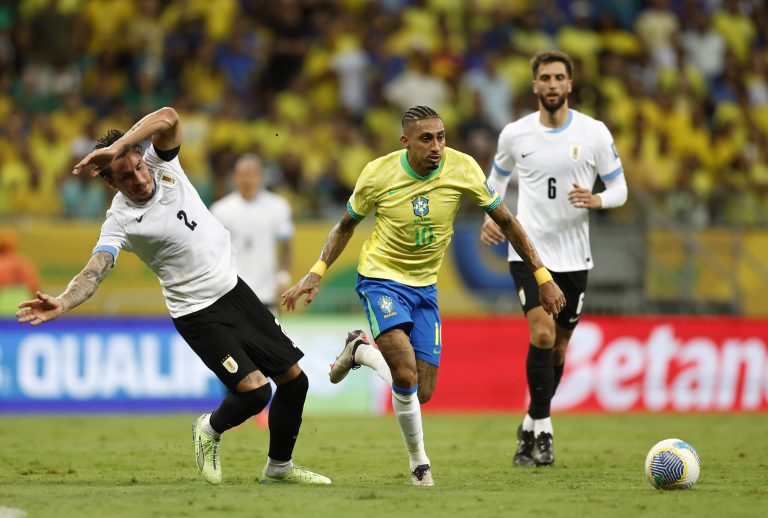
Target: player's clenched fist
(551,298)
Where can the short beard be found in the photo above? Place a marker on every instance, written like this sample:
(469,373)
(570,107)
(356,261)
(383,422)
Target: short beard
(552,108)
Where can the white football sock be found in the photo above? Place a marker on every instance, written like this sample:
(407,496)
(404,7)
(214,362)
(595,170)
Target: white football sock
(208,429)
(278,469)
(527,423)
(408,414)
(371,357)
(542,426)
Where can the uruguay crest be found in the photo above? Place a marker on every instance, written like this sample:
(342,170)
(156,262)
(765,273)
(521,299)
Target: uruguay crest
(230,364)
(574,152)
(168,179)
(420,206)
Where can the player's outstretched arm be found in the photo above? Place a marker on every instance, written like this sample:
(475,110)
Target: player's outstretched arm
(162,125)
(81,288)
(334,245)
(550,296)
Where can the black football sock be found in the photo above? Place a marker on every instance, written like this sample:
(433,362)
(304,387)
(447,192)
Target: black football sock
(239,406)
(541,379)
(285,417)
(558,377)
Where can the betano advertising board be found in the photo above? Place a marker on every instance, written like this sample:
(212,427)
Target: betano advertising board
(614,365)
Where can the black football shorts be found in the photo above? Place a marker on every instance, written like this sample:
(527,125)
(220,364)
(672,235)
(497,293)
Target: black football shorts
(237,335)
(572,284)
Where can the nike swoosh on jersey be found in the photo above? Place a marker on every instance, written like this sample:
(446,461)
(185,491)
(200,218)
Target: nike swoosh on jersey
(436,350)
(140,218)
(523,155)
(573,319)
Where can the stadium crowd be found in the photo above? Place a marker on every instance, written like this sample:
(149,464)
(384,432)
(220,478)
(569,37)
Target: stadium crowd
(317,88)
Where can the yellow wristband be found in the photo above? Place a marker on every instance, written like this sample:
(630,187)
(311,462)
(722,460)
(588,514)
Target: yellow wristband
(542,275)
(319,268)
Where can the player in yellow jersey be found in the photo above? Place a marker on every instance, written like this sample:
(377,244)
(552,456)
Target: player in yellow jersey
(415,195)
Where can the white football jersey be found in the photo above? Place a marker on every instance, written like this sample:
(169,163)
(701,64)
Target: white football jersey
(174,234)
(256,226)
(547,162)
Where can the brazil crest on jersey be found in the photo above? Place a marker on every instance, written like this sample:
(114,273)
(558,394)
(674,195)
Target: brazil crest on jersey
(414,214)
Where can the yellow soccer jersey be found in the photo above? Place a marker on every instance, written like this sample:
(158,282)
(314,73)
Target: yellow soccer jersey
(414,214)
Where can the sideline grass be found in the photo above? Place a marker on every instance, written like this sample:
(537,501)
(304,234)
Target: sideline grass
(144,466)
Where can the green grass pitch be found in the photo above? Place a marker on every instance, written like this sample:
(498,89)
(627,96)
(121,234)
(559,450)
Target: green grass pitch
(144,466)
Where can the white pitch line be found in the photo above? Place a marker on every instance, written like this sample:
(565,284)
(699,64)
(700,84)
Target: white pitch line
(12,512)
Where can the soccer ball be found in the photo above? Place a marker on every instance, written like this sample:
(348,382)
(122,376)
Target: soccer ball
(672,464)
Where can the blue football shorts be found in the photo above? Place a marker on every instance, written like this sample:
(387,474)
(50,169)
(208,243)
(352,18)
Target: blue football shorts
(389,304)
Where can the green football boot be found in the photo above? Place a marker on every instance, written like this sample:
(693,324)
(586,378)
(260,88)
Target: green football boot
(296,475)
(206,452)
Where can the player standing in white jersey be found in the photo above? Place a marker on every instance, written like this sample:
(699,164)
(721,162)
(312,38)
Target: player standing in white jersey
(158,215)
(555,155)
(260,225)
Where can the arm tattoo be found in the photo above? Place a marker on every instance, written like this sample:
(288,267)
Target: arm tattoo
(517,236)
(522,244)
(254,378)
(338,239)
(85,283)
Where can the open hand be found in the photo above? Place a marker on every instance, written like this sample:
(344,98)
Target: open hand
(97,161)
(310,285)
(42,309)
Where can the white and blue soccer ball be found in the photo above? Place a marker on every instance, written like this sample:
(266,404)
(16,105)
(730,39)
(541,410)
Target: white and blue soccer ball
(672,464)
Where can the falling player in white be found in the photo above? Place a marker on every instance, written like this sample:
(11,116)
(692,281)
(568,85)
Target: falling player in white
(158,215)
(261,228)
(555,155)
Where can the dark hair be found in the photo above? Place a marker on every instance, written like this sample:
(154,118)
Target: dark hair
(107,140)
(551,56)
(418,113)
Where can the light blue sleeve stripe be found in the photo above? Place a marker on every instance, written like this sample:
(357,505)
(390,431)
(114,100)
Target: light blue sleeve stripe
(495,203)
(613,174)
(502,172)
(109,249)
(354,214)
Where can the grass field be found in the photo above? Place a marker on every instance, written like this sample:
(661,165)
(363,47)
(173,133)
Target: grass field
(144,466)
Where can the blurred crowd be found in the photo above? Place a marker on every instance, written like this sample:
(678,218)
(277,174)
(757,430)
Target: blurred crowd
(317,88)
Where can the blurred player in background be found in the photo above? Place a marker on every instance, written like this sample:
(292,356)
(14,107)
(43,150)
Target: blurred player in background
(414,194)
(260,225)
(555,155)
(158,215)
